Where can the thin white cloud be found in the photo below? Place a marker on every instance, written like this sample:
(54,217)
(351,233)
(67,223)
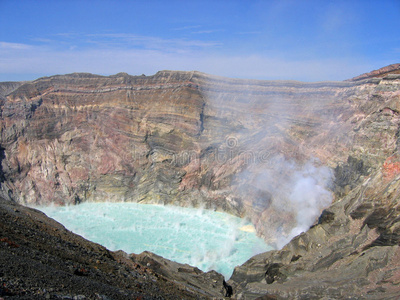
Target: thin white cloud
(68,34)
(249,32)
(207,31)
(149,42)
(48,61)
(337,17)
(13,46)
(190,27)
(43,40)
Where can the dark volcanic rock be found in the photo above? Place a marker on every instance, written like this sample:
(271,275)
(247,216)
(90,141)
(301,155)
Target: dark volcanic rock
(347,175)
(191,139)
(40,259)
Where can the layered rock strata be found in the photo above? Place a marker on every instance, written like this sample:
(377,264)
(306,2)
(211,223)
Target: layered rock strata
(191,139)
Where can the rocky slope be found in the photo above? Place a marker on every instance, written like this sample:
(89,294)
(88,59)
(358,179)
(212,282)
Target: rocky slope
(243,146)
(40,259)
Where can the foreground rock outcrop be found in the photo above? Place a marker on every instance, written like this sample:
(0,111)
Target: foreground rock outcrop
(40,259)
(246,147)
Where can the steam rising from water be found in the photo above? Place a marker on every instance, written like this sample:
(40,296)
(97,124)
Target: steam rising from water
(281,186)
(307,194)
(201,238)
(289,197)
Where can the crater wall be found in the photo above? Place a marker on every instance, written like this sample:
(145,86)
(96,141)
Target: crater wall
(241,146)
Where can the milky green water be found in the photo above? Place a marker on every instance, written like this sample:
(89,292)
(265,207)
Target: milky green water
(206,239)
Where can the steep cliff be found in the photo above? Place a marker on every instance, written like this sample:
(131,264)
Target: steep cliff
(247,147)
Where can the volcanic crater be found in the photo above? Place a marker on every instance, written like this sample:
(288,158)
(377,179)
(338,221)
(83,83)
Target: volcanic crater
(314,166)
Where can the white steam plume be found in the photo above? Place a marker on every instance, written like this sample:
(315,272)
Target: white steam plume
(284,192)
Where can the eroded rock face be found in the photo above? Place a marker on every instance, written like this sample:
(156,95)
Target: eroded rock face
(243,146)
(352,250)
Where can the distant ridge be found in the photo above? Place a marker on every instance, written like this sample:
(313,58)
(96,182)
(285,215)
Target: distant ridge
(390,69)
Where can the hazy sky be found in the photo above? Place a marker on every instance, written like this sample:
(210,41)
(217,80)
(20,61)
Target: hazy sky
(299,39)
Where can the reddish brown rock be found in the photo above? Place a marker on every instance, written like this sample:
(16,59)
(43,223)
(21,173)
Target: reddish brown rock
(391,69)
(187,138)
(241,146)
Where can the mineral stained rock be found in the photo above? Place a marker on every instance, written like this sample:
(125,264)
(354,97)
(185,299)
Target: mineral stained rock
(241,146)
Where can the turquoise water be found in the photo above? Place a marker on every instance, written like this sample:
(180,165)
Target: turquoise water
(206,239)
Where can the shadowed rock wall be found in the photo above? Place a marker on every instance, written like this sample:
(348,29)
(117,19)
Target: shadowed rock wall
(191,139)
(240,146)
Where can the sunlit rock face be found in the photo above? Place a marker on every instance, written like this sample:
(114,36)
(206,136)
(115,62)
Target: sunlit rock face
(352,249)
(191,139)
(277,152)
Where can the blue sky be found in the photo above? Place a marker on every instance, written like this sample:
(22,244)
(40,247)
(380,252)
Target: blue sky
(300,40)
